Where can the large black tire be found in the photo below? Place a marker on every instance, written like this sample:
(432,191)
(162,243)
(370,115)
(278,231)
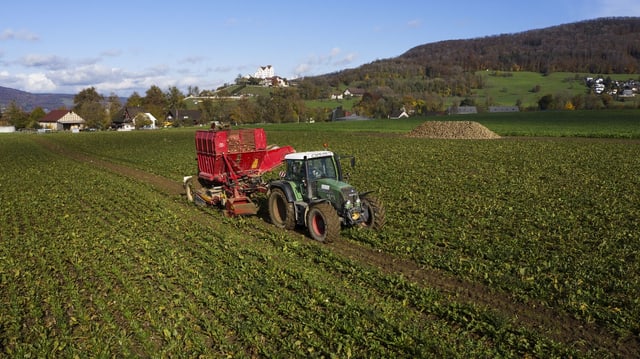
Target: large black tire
(375,212)
(323,222)
(281,211)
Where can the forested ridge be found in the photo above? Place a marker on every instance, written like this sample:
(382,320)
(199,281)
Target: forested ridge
(599,46)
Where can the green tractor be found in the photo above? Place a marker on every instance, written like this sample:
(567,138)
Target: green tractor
(311,193)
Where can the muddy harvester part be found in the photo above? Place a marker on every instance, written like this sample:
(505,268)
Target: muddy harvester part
(230,168)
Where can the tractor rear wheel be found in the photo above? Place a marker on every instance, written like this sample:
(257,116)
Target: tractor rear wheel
(323,222)
(281,211)
(374,212)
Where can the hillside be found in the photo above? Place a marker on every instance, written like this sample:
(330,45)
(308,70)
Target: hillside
(29,101)
(600,46)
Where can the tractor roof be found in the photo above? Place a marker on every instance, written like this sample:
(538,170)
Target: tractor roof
(308,154)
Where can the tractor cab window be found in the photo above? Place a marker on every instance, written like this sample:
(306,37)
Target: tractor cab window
(295,170)
(322,167)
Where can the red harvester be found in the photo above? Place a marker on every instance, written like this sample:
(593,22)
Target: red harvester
(230,168)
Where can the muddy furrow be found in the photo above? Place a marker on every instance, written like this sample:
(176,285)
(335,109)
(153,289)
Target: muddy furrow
(534,316)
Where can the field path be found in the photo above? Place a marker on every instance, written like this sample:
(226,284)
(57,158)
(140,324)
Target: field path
(535,316)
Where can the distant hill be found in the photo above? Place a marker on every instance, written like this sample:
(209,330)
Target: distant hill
(29,101)
(599,46)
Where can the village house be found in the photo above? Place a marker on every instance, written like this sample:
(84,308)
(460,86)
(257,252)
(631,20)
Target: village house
(353,92)
(62,120)
(128,117)
(184,117)
(398,114)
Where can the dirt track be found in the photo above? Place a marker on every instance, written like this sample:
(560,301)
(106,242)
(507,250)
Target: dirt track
(534,316)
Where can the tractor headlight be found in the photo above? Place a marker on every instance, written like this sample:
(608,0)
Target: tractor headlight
(348,204)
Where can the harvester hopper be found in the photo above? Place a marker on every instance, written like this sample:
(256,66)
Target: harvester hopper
(230,168)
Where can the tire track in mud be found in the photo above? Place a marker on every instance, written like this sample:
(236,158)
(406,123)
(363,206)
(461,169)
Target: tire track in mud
(537,317)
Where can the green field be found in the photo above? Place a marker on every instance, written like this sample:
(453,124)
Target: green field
(517,247)
(506,89)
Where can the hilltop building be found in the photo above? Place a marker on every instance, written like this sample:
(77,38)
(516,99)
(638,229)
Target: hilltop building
(264,72)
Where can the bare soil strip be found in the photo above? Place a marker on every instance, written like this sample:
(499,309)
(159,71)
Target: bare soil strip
(534,316)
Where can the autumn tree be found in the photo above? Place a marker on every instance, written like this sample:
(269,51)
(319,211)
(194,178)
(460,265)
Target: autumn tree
(15,116)
(155,102)
(88,105)
(114,108)
(34,116)
(244,111)
(175,98)
(206,107)
(283,105)
(545,102)
(135,100)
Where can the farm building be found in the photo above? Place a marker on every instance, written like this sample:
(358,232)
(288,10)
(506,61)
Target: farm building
(352,117)
(504,109)
(62,120)
(462,110)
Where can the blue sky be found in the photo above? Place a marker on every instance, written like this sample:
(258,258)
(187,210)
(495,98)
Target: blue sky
(124,46)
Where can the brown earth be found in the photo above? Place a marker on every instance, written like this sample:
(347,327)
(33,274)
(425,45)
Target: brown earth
(536,317)
(465,130)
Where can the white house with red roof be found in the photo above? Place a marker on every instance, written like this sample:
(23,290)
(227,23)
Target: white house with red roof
(60,120)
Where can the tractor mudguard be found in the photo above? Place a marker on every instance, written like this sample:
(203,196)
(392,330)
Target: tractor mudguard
(360,194)
(285,187)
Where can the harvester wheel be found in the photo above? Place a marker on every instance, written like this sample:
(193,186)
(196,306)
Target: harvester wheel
(281,211)
(323,222)
(375,212)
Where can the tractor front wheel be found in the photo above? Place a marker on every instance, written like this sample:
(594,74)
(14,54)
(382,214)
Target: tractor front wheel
(281,211)
(323,222)
(374,212)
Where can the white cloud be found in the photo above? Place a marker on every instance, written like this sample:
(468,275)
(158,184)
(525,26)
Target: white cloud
(609,8)
(51,62)
(323,63)
(89,75)
(414,23)
(10,34)
(192,59)
(38,82)
(302,69)
(111,52)
(346,60)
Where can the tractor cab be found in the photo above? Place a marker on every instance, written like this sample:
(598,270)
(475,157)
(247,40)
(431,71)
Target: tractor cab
(314,173)
(311,166)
